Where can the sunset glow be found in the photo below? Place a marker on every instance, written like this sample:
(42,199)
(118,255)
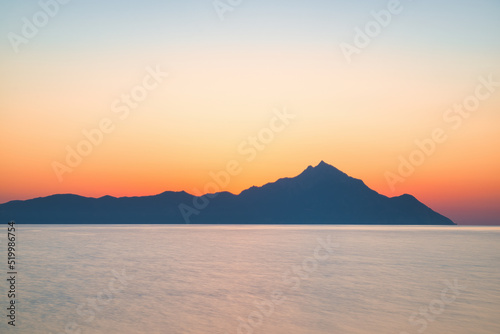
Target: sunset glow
(227,80)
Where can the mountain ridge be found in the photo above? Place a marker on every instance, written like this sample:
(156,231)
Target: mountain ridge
(318,195)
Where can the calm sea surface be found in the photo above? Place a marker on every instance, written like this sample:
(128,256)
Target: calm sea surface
(254,279)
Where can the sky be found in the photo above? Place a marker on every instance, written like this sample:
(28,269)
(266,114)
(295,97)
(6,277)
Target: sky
(132,98)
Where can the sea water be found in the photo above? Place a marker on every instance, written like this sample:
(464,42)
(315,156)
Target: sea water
(254,279)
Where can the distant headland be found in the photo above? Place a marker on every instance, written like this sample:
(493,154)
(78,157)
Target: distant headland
(319,195)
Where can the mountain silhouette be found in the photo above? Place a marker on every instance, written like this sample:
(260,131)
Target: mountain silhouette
(319,195)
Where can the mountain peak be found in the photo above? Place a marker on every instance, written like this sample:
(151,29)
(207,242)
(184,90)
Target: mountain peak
(323,170)
(324,166)
(322,163)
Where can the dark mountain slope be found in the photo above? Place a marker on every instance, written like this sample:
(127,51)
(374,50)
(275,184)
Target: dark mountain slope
(319,195)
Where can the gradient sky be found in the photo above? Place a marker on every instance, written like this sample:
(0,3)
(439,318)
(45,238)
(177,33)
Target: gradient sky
(225,79)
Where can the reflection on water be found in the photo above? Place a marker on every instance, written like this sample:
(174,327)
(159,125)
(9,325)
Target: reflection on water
(256,279)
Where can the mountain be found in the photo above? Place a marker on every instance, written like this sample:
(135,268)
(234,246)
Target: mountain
(319,195)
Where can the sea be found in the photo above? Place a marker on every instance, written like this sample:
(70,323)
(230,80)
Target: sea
(277,279)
